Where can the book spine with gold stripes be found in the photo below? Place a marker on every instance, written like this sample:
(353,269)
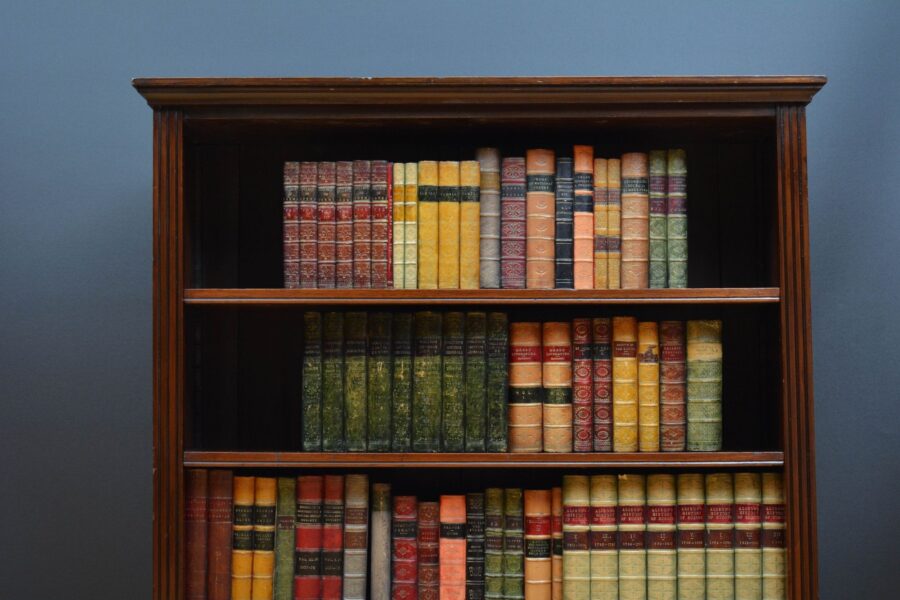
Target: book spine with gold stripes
(469,225)
(635,221)
(632,538)
(539,219)
(380,229)
(556,542)
(362,224)
(525,391)
(448,224)
(285,538)
(583,218)
(602,382)
(263,538)
(658,269)
(290,231)
(677,219)
(311,381)
(513,545)
(691,539)
(411,226)
(614,222)
(576,559)
(326,226)
(564,271)
(672,392)
(604,536)
(356,536)
(308,230)
(453,401)
(719,536)
(380,546)
(704,385)
(452,547)
(333,538)
(475,546)
(582,386)
(648,386)
(662,560)
(402,383)
(475,381)
(556,370)
(343,224)
(390,226)
(772,540)
(379,366)
(428,541)
(332,382)
(196,501)
(398,227)
(355,380)
(747,549)
(512,223)
(404,557)
(489,210)
(601,224)
(493,543)
(427,239)
(625,384)
(309,521)
(538,541)
(242,538)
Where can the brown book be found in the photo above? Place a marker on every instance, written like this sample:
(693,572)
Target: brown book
(264,504)
(538,535)
(290,228)
(601,225)
(356,536)
(540,207)
(196,497)
(380,544)
(582,386)
(602,383)
(218,561)
(404,561)
(635,221)
(428,537)
(672,391)
(614,222)
(525,391)
(557,383)
(772,540)
(452,548)
(309,236)
(583,218)
(242,539)
(326,213)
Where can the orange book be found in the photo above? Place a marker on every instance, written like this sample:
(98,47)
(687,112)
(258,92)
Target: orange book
(556,533)
(635,222)
(452,548)
(525,391)
(583,218)
(540,222)
(538,564)
(557,383)
(242,538)
(263,538)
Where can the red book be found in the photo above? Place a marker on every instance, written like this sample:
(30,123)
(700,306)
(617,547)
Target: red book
(333,538)
(512,223)
(672,383)
(326,216)
(290,231)
(308,541)
(602,379)
(196,497)
(428,551)
(218,514)
(582,386)
(390,225)
(380,228)
(362,224)
(308,234)
(404,556)
(343,227)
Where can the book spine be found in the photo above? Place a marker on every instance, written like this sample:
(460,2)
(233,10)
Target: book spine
(658,269)
(448,225)
(614,222)
(398,228)
(539,213)
(285,532)
(704,385)
(378,386)
(475,546)
(469,225)
(583,218)
(390,226)
(625,384)
(576,559)
(427,371)
(648,386)
(311,379)
(343,227)
(242,539)
(196,502)
(356,536)
(381,542)
(452,548)
(401,388)
(564,277)
(747,548)
(309,519)
(429,224)
(263,538)
(428,548)
(513,545)
(582,386)
(676,218)
(602,380)
(411,231)
(635,221)
(404,556)
(557,382)
(493,543)
(525,391)
(489,212)
(601,225)
(326,229)
(719,536)
(497,382)
(219,515)
(333,382)
(309,236)
(380,225)
(362,224)
(355,381)
(691,541)
(556,542)
(772,540)
(538,542)
(632,542)
(476,381)
(512,223)
(453,402)
(672,378)
(333,538)
(604,569)
(662,581)
(290,231)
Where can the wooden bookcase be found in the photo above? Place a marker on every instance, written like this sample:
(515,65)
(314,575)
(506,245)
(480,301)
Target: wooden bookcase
(225,357)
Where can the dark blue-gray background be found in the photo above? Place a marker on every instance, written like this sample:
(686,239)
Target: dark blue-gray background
(75,231)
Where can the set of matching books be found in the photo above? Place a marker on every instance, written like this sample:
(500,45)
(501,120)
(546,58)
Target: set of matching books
(718,536)
(536,222)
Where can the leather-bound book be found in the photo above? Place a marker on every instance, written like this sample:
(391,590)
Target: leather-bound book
(452,549)
(356,536)
(378,386)
(497,382)
(326,227)
(719,536)
(263,538)
(453,402)
(493,543)
(196,501)
(333,382)
(691,540)
(576,517)
(362,224)
(539,216)
(311,380)
(648,386)
(614,222)
(672,392)
(380,225)
(429,551)
(704,385)
(476,381)
(556,542)
(557,383)
(309,236)
(632,538)
(469,225)
(513,545)
(601,225)
(564,277)
(343,226)
(307,574)
(582,386)
(662,560)
(676,208)
(428,225)
(390,227)
(285,538)
(525,391)
(219,515)
(747,549)
(381,542)
(401,386)
(583,218)
(242,538)
(355,387)
(398,227)
(603,539)
(625,384)
(772,541)
(635,221)
(411,227)
(290,228)
(538,541)
(657,193)
(512,223)
(426,405)
(404,556)
(602,382)
(333,538)
(489,207)
(475,546)
(448,225)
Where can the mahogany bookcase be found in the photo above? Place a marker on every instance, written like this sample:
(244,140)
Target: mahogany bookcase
(225,352)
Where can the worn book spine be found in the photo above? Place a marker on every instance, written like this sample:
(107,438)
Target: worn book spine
(556,370)
(476,381)
(343,225)
(582,386)
(604,537)
(378,386)
(242,539)
(404,555)
(285,533)
(448,224)
(196,502)
(411,226)
(475,546)
(635,221)
(453,402)
(401,387)
(576,540)
(390,226)
(429,550)
(632,538)
(583,218)
(333,382)
(427,375)
(355,381)
(311,379)
(469,225)
(538,542)
(539,217)
(719,536)
(512,223)
(662,560)
(429,224)
(556,542)
(602,381)
(380,225)
(513,545)
(497,388)
(307,541)
(452,548)
(398,210)
(333,538)
(625,384)
(326,228)
(648,386)
(564,277)
(614,223)
(309,236)
(772,540)
(362,224)
(691,539)
(525,391)
(747,549)
(676,218)
(380,588)
(601,225)
(356,536)
(704,385)
(219,515)
(290,229)
(263,538)
(658,269)
(672,391)
(493,543)
(489,211)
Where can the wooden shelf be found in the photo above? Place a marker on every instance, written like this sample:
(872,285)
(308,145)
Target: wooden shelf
(443,460)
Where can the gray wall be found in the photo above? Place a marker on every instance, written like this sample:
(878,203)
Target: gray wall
(75,231)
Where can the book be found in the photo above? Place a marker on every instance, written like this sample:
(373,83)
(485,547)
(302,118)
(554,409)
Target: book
(556,542)
(564,277)
(538,540)
(326,227)
(658,267)
(557,383)
(263,538)
(379,380)
(635,221)
(614,223)
(398,210)
(380,228)
(362,224)
(539,213)
(582,386)
(576,541)
(343,226)
(427,375)
(381,542)
(648,386)
(513,545)
(601,225)
(356,536)
(469,225)
(219,543)
(411,230)
(355,384)
(602,383)
(448,224)
(489,210)
(604,569)
(719,536)
(625,384)
(285,534)
(428,225)
(672,392)
(404,556)
(476,381)
(333,538)
(704,385)
(428,544)
(453,401)
(196,501)
(497,382)
(583,218)
(494,518)
(632,538)
(242,538)
(333,382)
(308,538)
(311,380)
(309,236)
(452,547)
(691,541)
(525,391)
(747,526)
(512,223)
(475,546)
(290,228)
(772,539)
(676,218)
(390,227)
(662,560)
(401,385)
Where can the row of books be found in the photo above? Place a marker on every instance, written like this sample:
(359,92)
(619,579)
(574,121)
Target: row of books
(536,222)
(661,536)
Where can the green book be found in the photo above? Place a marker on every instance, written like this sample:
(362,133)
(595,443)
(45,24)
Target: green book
(453,384)
(355,381)
(677,218)
(426,408)
(401,404)
(497,381)
(476,367)
(658,220)
(493,543)
(379,383)
(311,394)
(704,386)
(285,528)
(513,545)
(333,382)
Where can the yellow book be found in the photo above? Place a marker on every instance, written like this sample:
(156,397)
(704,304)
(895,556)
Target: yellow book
(427,239)
(691,543)
(469,225)
(719,536)
(264,538)
(662,581)
(398,189)
(773,547)
(747,552)
(576,584)
(625,384)
(632,548)
(604,527)
(601,224)
(614,220)
(648,387)
(242,538)
(448,225)
(411,226)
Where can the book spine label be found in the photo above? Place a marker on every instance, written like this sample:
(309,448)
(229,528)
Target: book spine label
(690,541)
(290,231)
(448,224)
(380,225)
(538,545)
(632,539)
(582,386)
(662,581)
(525,391)
(355,381)
(411,231)
(404,557)
(601,225)
(635,221)
(428,548)
(719,536)
(398,227)
(658,269)
(489,213)
(602,380)
(219,515)
(747,548)
(381,542)
(672,378)
(512,223)
(242,538)
(469,225)
(614,222)
(429,225)
(401,388)
(493,543)
(285,534)
(427,371)
(362,224)
(311,375)
(704,385)
(196,502)
(539,216)
(772,537)
(497,382)
(648,386)
(309,519)
(475,546)
(583,218)
(625,384)
(676,218)
(343,227)
(356,536)
(326,229)
(453,407)
(604,569)
(263,538)
(564,227)
(557,383)
(576,553)
(513,545)
(556,542)
(333,538)
(476,381)
(309,236)
(333,382)
(378,386)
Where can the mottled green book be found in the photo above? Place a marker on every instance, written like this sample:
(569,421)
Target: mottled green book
(513,545)
(476,370)
(426,406)
(401,403)
(355,387)
(658,219)
(497,382)
(677,218)
(379,383)
(493,543)
(704,385)
(285,525)
(311,379)
(333,382)
(453,405)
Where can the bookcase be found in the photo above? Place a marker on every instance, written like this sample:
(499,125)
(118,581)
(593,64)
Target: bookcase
(225,354)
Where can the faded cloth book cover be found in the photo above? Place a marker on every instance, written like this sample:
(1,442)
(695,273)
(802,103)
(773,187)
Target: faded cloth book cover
(576,557)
